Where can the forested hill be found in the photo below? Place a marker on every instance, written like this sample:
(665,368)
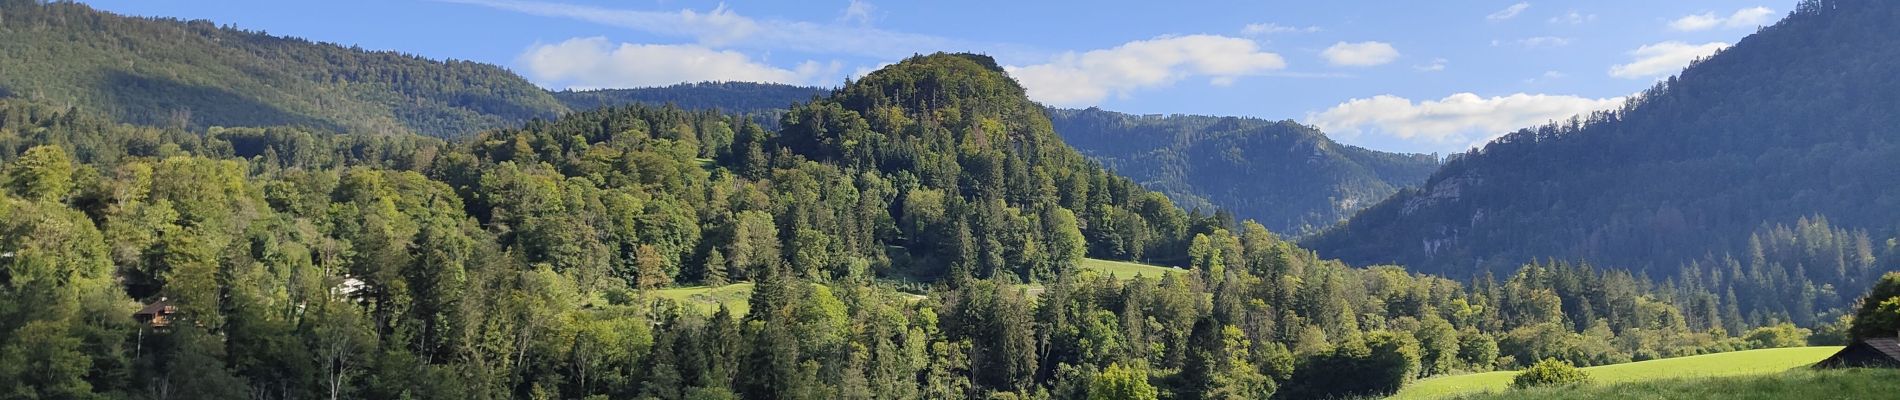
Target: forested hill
(919,234)
(1797,120)
(983,158)
(1289,177)
(168,72)
(729,97)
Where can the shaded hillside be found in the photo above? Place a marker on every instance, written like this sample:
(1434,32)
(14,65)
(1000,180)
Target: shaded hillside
(1287,176)
(169,72)
(1700,176)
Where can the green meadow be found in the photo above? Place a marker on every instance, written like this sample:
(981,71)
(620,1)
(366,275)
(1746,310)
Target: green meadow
(1681,370)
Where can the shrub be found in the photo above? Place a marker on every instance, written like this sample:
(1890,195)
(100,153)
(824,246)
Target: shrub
(1122,383)
(1550,372)
(1778,335)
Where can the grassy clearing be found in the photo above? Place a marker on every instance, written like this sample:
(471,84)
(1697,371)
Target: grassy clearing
(1125,270)
(1732,364)
(735,296)
(708,299)
(1799,383)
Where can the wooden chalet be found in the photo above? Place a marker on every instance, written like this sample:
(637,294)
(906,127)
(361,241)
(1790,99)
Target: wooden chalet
(157,315)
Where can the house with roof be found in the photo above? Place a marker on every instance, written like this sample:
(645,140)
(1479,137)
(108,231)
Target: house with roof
(1866,353)
(157,315)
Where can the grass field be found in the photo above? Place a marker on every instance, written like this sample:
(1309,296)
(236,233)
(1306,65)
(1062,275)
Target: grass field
(1740,363)
(708,299)
(1125,270)
(736,295)
(1801,383)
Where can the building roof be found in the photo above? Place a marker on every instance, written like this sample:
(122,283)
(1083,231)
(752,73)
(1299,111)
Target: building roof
(1888,346)
(1874,352)
(160,307)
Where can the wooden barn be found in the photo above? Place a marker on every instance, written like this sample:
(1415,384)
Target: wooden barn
(1866,353)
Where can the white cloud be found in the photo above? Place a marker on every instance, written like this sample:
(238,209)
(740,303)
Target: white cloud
(722,27)
(859,11)
(1743,18)
(1750,17)
(595,62)
(1663,58)
(1458,119)
(1573,18)
(1438,64)
(1268,28)
(1076,79)
(1508,12)
(1696,22)
(1362,54)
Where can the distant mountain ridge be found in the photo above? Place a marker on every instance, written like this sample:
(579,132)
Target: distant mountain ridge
(168,72)
(1794,122)
(1289,177)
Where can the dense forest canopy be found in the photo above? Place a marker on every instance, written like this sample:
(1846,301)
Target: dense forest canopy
(1290,177)
(919,233)
(195,75)
(1785,140)
(730,97)
(915,235)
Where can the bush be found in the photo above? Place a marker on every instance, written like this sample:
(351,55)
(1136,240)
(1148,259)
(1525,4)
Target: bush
(1778,335)
(1550,372)
(1377,364)
(1122,383)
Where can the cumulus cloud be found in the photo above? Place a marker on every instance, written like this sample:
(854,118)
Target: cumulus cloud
(1743,18)
(595,62)
(1076,79)
(1362,54)
(722,27)
(1438,64)
(1696,22)
(1459,119)
(1750,17)
(1268,28)
(1663,58)
(1508,12)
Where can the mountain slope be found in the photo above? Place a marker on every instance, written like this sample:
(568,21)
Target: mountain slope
(195,74)
(1797,120)
(1287,176)
(959,129)
(729,97)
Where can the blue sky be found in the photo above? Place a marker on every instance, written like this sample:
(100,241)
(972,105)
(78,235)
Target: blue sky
(1409,76)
